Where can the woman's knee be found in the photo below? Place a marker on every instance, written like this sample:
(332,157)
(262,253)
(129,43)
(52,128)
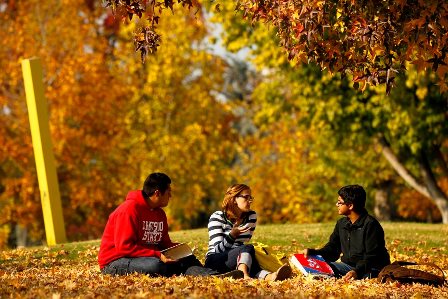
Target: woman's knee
(220,262)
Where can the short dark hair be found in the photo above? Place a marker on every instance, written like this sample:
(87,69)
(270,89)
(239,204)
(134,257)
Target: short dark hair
(156,181)
(355,195)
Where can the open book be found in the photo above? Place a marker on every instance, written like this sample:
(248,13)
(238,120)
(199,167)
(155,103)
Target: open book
(313,265)
(178,251)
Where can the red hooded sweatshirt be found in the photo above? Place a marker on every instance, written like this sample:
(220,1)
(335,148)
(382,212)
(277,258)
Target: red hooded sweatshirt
(134,230)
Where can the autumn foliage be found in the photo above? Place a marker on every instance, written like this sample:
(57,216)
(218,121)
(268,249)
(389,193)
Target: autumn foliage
(371,40)
(112,120)
(84,99)
(208,122)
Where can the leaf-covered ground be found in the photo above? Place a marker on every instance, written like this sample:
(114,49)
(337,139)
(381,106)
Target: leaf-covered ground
(71,270)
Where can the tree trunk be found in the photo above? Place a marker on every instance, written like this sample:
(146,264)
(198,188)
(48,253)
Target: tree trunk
(382,208)
(18,237)
(428,188)
(436,193)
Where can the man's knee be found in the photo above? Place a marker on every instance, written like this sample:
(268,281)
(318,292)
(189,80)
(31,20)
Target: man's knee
(117,267)
(148,265)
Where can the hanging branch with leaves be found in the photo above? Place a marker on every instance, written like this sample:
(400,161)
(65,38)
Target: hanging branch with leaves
(146,39)
(371,40)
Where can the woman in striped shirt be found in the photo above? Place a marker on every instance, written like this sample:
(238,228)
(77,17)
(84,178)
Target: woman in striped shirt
(228,232)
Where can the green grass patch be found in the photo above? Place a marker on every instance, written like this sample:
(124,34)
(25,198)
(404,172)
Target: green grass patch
(401,238)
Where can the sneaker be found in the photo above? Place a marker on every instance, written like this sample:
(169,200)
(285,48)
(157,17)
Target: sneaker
(283,272)
(235,274)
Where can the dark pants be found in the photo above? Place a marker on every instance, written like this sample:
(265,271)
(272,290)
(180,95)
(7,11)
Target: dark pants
(340,269)
(227,261)
(153,266)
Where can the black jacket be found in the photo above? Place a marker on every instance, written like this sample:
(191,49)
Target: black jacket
(362,244)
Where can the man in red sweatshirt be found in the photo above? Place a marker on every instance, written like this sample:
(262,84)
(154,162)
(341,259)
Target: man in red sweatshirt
(137,231)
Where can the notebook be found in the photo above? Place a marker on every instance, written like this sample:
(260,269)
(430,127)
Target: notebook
(313,265)
(178,251)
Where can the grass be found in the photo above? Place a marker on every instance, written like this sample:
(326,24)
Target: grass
(70,270)
(401,237)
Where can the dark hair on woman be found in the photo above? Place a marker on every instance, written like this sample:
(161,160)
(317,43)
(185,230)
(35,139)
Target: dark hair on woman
(156,181)
(355,195)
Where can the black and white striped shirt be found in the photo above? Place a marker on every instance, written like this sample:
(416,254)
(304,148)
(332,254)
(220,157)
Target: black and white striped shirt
(219,228)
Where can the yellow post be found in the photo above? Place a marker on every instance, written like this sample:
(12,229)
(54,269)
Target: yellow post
(43,151)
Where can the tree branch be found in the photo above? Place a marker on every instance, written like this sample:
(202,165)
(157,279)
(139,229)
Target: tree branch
(400,168)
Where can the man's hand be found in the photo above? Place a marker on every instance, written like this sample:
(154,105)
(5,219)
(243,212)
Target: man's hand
(237,230)
(350,275)
(166,260)
(305,253)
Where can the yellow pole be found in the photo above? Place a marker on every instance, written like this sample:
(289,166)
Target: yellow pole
(43,151)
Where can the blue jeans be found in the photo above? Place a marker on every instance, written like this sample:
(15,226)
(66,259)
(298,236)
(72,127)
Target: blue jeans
(144,265)
(227,261)
(340,269)
(153,266)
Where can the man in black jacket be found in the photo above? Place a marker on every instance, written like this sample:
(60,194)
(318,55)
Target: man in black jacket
(358,236)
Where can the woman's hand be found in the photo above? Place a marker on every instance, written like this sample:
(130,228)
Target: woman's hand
(166,260)
(238,230)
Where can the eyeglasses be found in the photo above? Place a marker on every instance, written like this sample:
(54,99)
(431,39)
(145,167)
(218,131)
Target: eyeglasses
(247,197)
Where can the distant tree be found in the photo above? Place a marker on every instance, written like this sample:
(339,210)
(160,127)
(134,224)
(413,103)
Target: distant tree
(408,128)
(84,97)
(176,117)
(112,119)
